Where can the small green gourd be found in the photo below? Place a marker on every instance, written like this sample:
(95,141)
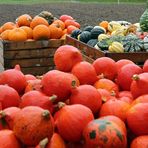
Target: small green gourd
(144,20)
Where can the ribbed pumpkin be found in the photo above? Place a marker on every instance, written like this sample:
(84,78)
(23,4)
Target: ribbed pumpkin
(17,34)
(86,95)
(140,142)
(67,54)
(8,26)
(28,30)
(5,35)
(115,107)
(59,23)
(32,124)
(71,120)
(144,19)
(137,119)
(105,134)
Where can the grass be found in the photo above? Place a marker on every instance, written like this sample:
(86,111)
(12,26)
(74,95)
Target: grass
(72,1)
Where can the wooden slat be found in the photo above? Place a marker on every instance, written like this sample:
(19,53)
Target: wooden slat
(32,44)
(30,62)
(1,57)
(29,53)
(88,59)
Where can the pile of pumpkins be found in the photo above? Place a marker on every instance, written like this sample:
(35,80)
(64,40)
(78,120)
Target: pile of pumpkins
(76,105)
(43,26)
(114,36)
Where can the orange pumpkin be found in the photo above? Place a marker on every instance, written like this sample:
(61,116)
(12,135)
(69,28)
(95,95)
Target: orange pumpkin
(60,24)
(56,32)
(104,24)
(28,30)
(4,35)
(71,22)
(0,30)
(17,34)
(41,32)
(24,20)
(140,142)
(8,26)
(70,29)
(38,21)
(104,133)
(65,17)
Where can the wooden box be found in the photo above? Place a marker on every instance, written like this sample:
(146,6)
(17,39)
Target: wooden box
(137,57)
(34,57)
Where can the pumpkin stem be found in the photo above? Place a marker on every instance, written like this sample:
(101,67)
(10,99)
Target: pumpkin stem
(101,76)
(53,98)
(113,93)
(2,114)
(46,114)
(17,67)
(39,77)
(43,143)
(135,77)
(73,84)
(61,104)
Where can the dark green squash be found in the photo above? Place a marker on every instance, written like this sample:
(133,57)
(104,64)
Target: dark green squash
(85,36)
(88,28)
(75,33)
(144,19)
(103,44)
(96,31)
(92,42)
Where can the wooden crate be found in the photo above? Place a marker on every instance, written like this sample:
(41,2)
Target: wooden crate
(34,57)
(136,57)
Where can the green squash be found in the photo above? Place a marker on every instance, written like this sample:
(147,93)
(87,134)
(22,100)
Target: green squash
(75,33)
(96,31)
(85,36)
(144,20)
(92,42)
(88,28)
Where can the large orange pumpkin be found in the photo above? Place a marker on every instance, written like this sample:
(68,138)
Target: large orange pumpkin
(56,31)
(41,32)
(5,34)
(59,23)
(32,124)
(104,133)
(140,142)
(17,34)
(24,20)
(137,119)
(37,20)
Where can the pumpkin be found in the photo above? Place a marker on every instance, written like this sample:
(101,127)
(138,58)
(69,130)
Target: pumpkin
(139,85)
(85,72)
(75,33)
(28,30)
(55,32)
(124,78)
(140,142)
(17,34)
(145,66)
(47,15)
(137,119)
(24,20)
(116,47)
(88,28)
(96,31)
(104,133)
(7,116)
(37,20)
(41,32)
(58,83)
(104,24)
(36,98)
(71,120)
(5,35)
(86,95)
(105,66)
(115,107)
(19,82)
(30,77)
(9,136)
(32,124)
(85,36)
(71,22)
(71,28)
(65,17)
(8,26)
(60,24)
(107,84)
(67,54)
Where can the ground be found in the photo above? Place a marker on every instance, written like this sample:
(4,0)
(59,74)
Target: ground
(85,14)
